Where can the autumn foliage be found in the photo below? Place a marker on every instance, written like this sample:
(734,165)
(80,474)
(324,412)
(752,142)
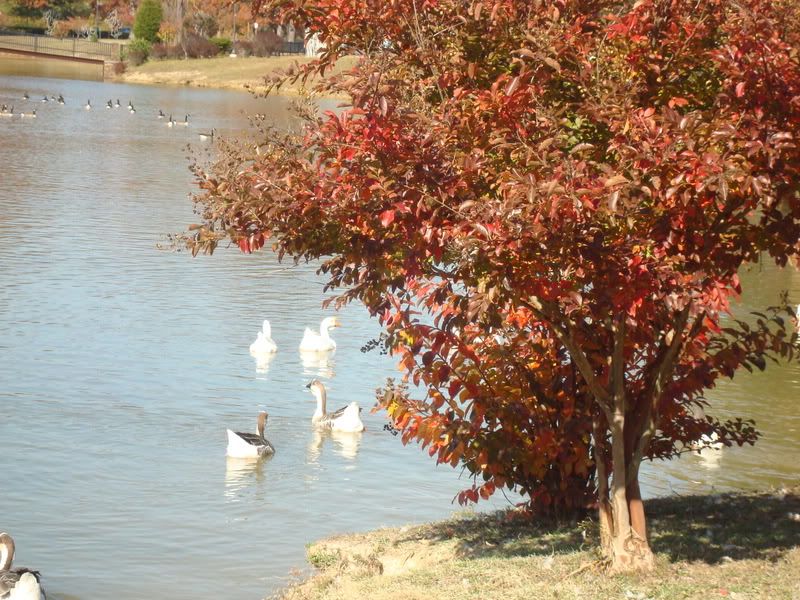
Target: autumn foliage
(546,204)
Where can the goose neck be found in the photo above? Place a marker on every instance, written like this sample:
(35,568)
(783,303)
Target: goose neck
(321,396)
(6,552)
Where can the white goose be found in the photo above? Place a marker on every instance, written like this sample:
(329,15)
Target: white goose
(322,341)
(16,584)
(263,344)
(347,418)
(250,445)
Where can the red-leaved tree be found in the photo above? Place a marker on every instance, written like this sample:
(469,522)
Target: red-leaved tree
(546,204)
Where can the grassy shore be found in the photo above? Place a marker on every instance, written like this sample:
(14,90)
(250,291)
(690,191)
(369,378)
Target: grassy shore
(220,72)
(738,546)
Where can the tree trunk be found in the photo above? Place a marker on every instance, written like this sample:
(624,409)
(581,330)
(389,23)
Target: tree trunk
(626,546)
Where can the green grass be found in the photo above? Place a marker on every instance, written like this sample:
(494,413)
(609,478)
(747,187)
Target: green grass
(739,546)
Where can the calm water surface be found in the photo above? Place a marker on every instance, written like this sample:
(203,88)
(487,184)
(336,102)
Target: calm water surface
(122,365)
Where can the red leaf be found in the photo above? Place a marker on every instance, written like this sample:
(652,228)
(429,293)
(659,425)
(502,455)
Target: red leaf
(387,217)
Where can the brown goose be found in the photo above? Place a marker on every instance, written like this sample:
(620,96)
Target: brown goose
(250,445)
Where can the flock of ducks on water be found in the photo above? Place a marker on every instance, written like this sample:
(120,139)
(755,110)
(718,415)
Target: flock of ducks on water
(8,111)
(346,419)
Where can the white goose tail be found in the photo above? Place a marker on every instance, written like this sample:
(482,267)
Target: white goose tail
(238,448)
(349,420)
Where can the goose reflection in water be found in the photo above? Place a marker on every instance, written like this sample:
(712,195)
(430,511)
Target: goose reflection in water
(262,363)
(345,444)
(318,364)
(240,473)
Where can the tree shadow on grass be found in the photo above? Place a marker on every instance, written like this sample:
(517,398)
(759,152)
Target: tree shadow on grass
(684,528)
(725,526)
(505,534)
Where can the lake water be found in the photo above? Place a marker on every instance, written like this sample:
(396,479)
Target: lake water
(123,364)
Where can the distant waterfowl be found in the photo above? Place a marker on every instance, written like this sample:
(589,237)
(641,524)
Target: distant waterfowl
(52,98)
(44,99)
(264,343)
(161,114)
(132,110)
(30,115)
(88,105)
(250,445)
(7,112)
(346,419)
(17,584)
(25,96)
(109,104)
(170,123)
(117,104)
(206,135)
(60,99)
(322,341)
(185,121)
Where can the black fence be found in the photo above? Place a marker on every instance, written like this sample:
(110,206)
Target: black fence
(74,47)
(293,48)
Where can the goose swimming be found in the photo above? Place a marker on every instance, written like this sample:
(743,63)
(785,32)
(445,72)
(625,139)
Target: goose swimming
(322,341)
(206,135)
(117,104)
(250,445)
(88,105)
(17,584)
(264,343)
(346,419)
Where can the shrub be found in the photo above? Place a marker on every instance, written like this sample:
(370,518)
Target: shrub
(223,43)
(243,48)
(159,51)
(61,29)
(267,43)
(138,51)
(167,32)
(148,20)
(196,46)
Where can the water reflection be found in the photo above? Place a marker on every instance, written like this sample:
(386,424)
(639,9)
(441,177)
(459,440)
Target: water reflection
(344,444)
(241,473)
(318,364)
(262,362)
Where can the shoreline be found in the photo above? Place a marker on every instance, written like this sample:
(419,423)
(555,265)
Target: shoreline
(241,74)
(704,549)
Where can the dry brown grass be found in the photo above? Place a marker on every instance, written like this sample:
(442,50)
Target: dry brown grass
(219,72)
(728,546)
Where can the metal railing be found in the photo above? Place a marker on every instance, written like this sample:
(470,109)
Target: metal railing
(71,47)
(293,48)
